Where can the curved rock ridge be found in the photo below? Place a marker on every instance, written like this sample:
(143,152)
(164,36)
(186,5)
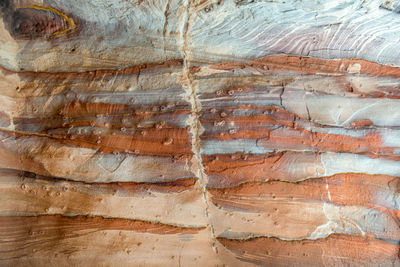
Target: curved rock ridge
(38,21)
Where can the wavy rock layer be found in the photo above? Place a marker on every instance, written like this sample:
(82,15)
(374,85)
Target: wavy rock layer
(199,133)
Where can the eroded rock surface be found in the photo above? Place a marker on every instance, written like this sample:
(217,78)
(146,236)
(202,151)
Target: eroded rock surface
(199,133)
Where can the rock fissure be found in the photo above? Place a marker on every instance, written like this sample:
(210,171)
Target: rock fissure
(194,122)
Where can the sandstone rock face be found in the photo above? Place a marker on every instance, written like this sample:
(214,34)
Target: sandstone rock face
(199,133)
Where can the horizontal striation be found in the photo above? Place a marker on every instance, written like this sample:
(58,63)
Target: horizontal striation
(343,189)
(312,65)
(99,241)
(104,120)
(56,157)
(228,170)
(176,203)
(273,128)
(300,148)
(333,250)
(125,83)
(344,98)
(293,220)
(199,133)
(344,203)
(98,126)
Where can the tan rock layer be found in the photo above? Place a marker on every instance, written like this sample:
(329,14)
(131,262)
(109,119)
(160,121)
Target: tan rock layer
(176,202)
(355,189)
(228,170)
(343,203)
(333,250)
(30,153)
(99,241)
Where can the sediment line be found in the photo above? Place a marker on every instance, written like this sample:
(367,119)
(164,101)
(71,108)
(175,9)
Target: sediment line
(100,223)
(184,182)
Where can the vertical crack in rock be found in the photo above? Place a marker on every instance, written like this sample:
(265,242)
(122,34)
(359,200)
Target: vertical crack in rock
(196,129)
(281,94)
(166,14)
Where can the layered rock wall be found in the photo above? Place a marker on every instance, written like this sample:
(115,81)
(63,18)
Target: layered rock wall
(199,133)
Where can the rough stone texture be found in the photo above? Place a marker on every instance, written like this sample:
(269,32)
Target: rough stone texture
(199,133)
